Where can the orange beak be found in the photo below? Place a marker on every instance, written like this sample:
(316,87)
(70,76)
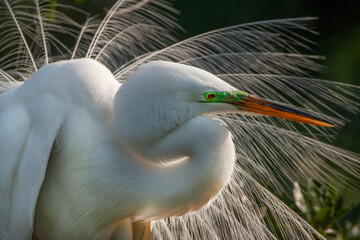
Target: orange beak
(251,103)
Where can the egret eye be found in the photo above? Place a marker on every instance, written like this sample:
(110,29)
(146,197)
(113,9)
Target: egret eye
(211,96)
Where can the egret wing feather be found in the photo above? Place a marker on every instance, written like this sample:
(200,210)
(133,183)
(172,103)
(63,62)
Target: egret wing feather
(28,130)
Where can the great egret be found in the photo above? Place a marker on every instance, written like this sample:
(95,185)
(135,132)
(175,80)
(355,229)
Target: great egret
(83,156)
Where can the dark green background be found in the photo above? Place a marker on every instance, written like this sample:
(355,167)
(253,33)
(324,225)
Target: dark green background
(338,25)
(339,39)
(339,42)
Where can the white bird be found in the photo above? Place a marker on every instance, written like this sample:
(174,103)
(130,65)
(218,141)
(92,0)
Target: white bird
(83,156)
(110,141)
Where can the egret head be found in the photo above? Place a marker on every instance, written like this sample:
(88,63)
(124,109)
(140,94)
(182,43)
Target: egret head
(163,95)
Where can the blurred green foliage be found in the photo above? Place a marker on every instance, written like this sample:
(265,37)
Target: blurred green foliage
(327,211)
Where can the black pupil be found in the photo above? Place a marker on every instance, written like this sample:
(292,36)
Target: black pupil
(211,96)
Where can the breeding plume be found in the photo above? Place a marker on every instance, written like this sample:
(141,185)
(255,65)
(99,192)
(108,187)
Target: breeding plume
(128,134)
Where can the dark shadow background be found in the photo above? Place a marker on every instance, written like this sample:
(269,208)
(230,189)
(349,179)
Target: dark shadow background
(339,40)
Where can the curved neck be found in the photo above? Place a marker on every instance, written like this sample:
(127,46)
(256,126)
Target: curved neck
(208,157)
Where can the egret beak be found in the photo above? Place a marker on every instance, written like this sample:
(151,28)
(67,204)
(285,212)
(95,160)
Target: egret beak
(250,103)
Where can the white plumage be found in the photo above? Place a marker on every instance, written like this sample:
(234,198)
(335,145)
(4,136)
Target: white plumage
(104,169)
(89,151)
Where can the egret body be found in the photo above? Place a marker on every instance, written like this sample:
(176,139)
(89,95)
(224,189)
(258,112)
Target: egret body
(104,170)
(143,150)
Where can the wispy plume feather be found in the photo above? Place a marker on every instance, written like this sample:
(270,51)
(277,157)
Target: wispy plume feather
(19,31)
(30,32)
(42,31)
(129,29)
